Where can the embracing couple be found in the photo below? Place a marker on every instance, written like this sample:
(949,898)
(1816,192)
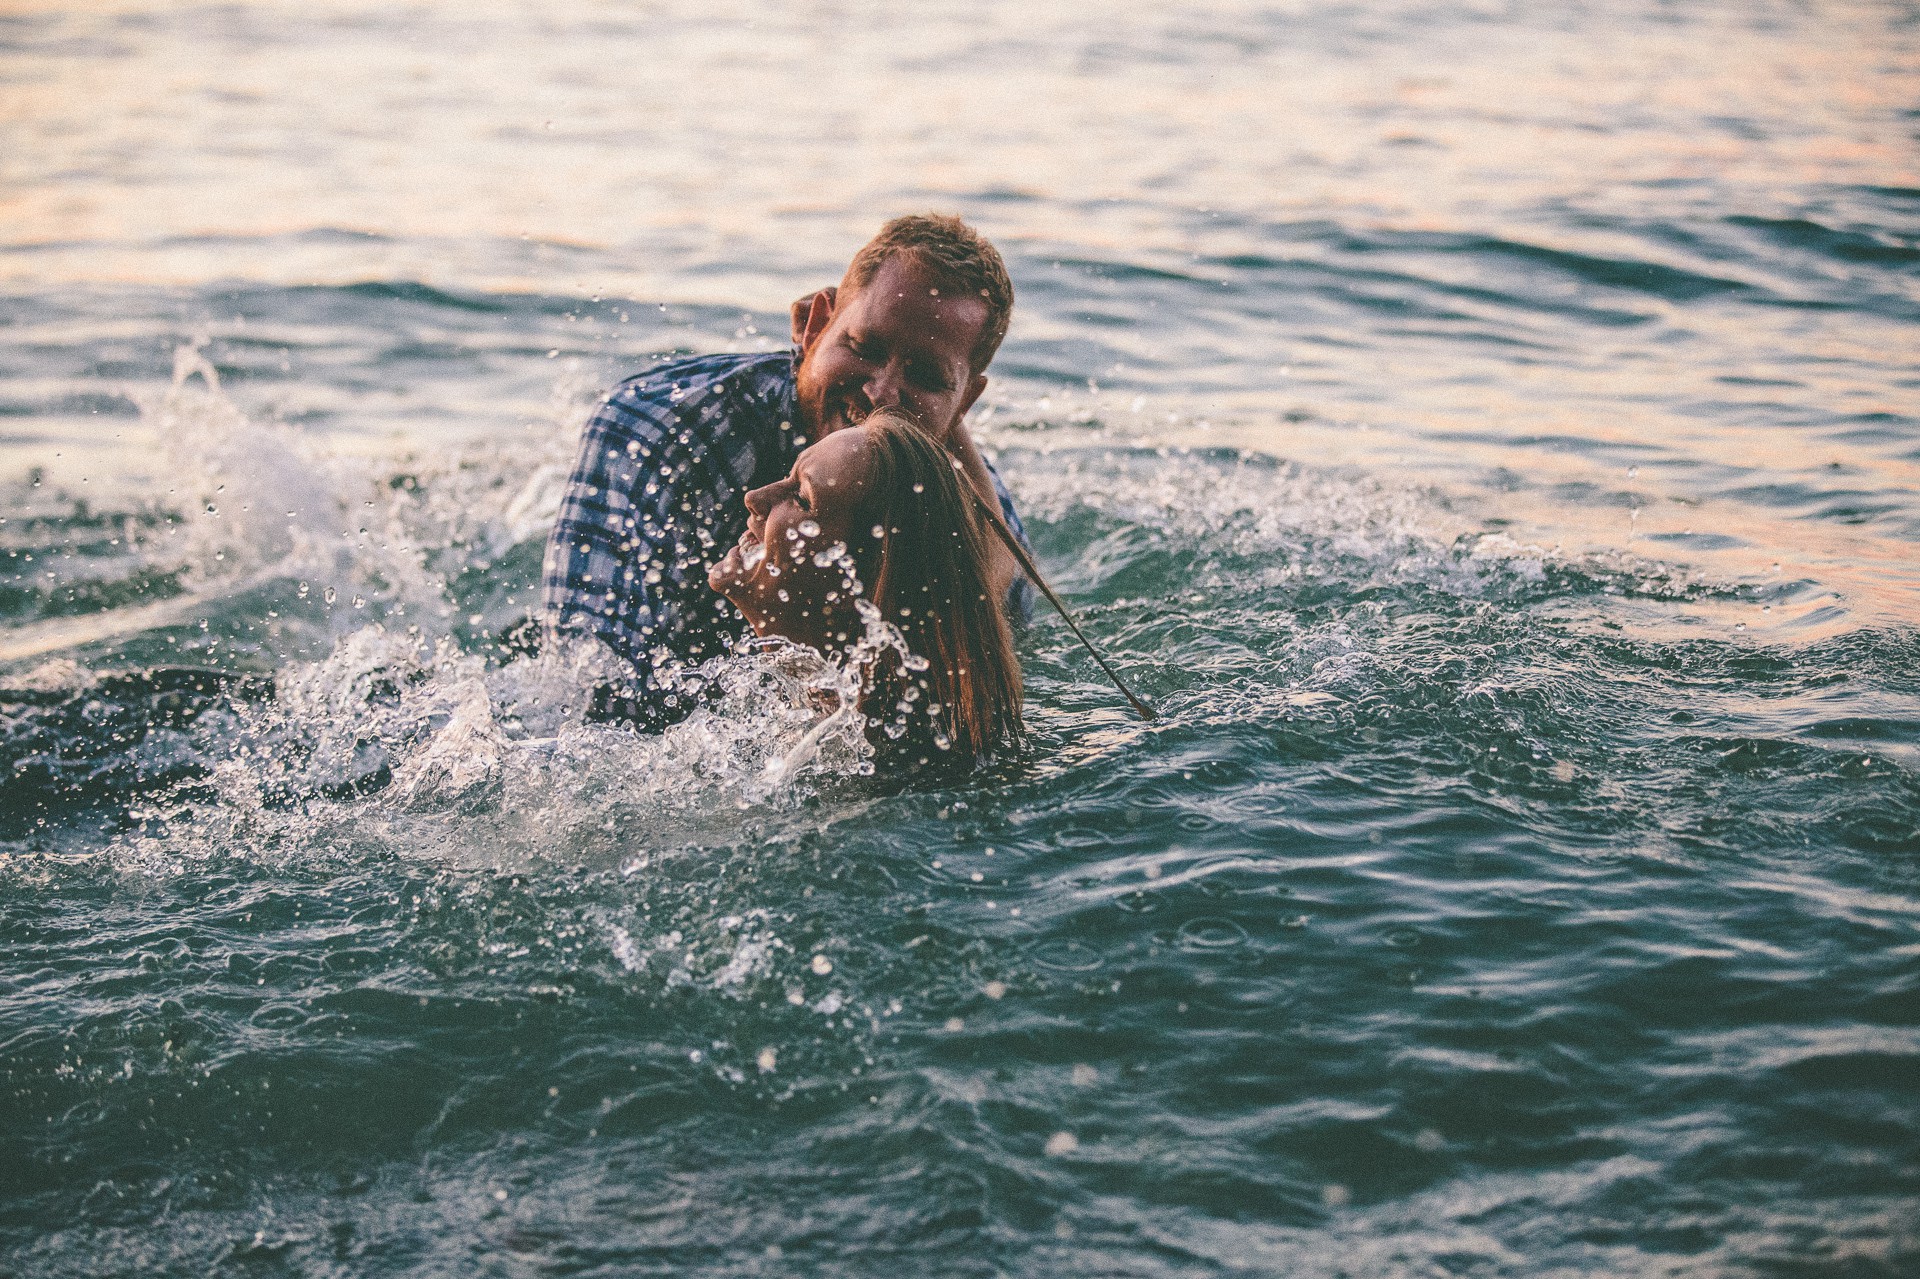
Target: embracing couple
(807,493)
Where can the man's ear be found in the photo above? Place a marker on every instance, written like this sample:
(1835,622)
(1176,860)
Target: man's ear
(811,315)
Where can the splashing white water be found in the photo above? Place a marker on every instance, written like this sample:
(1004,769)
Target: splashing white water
(247,501)
(418,748)
(248,494)
(1284,522)
(400,739)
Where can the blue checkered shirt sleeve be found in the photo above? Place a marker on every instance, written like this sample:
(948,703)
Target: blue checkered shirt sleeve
(655,493)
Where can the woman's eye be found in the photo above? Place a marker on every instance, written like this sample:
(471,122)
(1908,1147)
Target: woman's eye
(800,499)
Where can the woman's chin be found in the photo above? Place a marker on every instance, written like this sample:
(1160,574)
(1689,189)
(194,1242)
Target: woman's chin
(726,575)
(730,581)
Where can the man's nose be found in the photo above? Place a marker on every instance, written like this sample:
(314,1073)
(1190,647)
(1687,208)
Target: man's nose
(883,388)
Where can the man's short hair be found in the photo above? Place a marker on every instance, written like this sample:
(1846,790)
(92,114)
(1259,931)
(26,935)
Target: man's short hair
(959,257)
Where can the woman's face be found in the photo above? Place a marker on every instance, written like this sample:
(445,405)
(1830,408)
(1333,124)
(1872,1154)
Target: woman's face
(775,575)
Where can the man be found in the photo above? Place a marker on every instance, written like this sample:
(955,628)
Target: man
(656,494)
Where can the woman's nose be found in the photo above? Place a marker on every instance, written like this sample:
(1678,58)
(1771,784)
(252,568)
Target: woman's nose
(760,500)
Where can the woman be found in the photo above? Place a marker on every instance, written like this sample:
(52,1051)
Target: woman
(874,523)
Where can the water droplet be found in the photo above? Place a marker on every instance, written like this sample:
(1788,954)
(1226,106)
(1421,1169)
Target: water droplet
(822,965)
(1064,955)
(1085,1076)
(767,1060)
(994,990)
(809,528)
(1212,933)
(954,1025)
(1062,1143)
(1335,1196)
(330,595)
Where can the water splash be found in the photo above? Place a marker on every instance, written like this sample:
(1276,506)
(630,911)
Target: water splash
(399,743)
(245,495)
(251,501)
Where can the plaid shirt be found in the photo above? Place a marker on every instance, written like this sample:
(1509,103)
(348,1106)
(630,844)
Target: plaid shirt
(657,495)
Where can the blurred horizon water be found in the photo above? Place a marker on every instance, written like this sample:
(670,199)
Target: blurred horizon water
(1490,433)
(1697,195)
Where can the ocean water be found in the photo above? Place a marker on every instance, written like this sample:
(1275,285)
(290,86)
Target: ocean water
(1490,433)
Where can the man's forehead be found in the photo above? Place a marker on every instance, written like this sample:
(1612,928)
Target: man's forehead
(905,293)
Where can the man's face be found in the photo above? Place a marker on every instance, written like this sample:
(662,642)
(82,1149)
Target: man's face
(901,341)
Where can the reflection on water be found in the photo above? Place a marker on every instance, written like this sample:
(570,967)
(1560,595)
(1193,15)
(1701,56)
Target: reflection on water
(1487,434)
(580,125)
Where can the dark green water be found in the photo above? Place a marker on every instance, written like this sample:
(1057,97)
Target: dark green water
(1523,877)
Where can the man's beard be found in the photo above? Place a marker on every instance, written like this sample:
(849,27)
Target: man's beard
(822,411)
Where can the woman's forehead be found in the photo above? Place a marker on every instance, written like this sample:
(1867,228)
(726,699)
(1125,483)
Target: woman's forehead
(842,461)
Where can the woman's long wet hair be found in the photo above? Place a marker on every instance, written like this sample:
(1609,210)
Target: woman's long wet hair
(927,563)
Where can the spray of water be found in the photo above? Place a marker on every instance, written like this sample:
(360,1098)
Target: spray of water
(409,738)
(407,745)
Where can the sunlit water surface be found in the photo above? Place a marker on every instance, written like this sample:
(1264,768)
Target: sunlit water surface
(1489,433)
